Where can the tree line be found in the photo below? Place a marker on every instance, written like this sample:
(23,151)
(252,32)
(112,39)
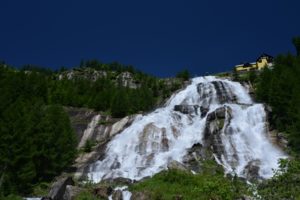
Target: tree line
(280,88)
(36,138)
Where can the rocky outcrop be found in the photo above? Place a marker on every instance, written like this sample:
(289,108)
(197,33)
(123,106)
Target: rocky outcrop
(278,138)
(117,195)
(80,118)
(82,73)
(121,125)
(126,79)
(58,189)
(224,95)
(215,90)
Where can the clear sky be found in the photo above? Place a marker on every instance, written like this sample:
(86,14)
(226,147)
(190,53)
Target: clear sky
(158,37)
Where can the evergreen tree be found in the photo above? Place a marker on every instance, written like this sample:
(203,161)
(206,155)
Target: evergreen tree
(296,42)
(185,75)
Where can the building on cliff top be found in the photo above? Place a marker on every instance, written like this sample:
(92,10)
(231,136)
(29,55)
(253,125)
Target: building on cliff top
(261,62)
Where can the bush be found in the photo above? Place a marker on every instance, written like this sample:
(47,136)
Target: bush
(170,184)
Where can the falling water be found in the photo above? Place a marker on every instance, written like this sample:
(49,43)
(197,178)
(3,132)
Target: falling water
(154,140)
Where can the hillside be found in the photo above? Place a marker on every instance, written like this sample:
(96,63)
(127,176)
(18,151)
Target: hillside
(103,131)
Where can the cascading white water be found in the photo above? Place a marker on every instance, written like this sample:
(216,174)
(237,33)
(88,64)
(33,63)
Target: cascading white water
(154,140)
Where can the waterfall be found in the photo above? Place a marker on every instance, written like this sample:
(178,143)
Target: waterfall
(216,113)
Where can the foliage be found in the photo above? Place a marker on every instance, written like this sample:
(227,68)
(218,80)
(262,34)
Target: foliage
(11,197)
(41,189)
(296,42)
(174,183)
(88,146)
(36,139)
(185,75)
(107,92)
(280,88)
(250,76)
(285,183)
(86,195)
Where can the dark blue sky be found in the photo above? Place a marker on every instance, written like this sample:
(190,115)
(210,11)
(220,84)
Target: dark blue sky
(159,37)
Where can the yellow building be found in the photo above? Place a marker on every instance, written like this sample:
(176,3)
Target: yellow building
(261,62)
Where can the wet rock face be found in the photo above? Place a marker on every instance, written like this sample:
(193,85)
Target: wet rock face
(187,109)
(145,140)
(216,90)
(100,129)
(192,160)
(223,94)
(216,125)
(204,111)
(252,170)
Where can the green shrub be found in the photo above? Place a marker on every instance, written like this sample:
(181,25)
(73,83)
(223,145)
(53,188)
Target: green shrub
(174,183)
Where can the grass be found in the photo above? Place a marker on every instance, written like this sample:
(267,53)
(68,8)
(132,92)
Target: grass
(172,184)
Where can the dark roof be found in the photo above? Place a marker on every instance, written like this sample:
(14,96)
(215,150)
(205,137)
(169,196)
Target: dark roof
(269,58)
(247,65)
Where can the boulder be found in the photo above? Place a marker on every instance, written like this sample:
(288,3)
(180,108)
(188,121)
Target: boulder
(252,170)
(204,111)
(177,165)
(71,192)
(117,195)
(103,191)
(58,189)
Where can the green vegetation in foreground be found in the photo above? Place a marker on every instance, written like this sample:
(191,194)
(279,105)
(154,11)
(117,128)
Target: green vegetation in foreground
(168,185)
(86,195)
(285,184)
